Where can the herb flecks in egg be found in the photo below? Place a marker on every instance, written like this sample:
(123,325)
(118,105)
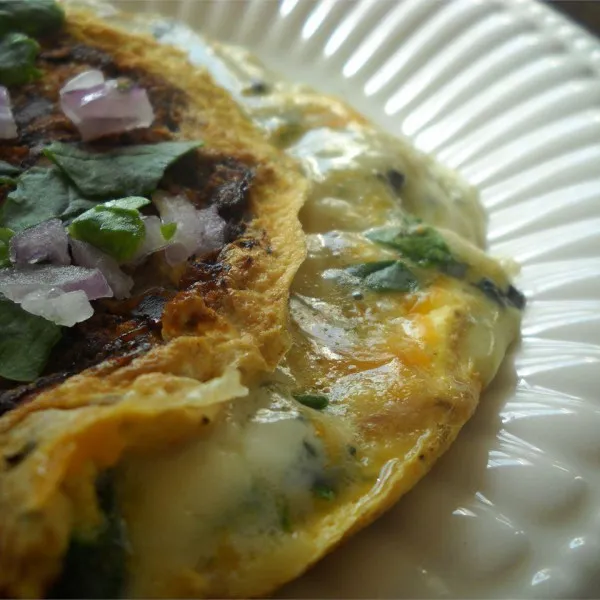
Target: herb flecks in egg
(421,244)
(511,297)
(323,491)
(384,276)
(316,401)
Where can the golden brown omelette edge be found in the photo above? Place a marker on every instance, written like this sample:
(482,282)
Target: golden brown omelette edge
(83,424)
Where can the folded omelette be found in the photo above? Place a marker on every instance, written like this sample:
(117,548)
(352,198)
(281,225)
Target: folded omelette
(238,321)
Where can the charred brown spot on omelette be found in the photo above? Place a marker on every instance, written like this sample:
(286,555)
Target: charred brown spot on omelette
(196,182)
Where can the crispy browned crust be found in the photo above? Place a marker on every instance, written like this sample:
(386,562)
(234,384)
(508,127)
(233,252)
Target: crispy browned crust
(243,295)
(233,313)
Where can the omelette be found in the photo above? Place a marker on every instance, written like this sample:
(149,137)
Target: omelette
(221,404)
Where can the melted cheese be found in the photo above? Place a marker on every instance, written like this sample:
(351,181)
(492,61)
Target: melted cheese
(344,155)
(244,485)
(235,513)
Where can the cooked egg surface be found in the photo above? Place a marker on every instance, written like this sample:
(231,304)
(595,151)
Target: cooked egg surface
(398,321)
(349,160)
(385,367)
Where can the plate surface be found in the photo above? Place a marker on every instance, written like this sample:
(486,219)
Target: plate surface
(508,93)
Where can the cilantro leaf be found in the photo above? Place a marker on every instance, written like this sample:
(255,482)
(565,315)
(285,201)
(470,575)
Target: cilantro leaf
(8,170)
(41,194)
(5,235)
(323,491)
(168,230)
(133,202)
(363,270)
(385,276)
(127,171)
(17,59)
(25,342)
(285,519)
(10,181)
(33,17)
(76,205)
(95,568)
(421,244)
(115,230)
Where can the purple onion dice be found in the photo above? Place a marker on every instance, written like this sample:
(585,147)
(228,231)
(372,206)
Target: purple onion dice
(47,241)
(198,231)
(213,235)
(15,284)
(62,308)
(8,127)
(99,107)
(86,255)
(153,240)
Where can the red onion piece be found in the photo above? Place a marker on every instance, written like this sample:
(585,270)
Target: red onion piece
(86,255)
(84,81)
(15,284)
(198,231)
(214,230)
(153,241)
(47,241)
(8,127)
(98,107)
(177,253)
(63,308)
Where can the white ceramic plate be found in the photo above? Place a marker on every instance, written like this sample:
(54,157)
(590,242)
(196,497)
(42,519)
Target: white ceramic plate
(508,93)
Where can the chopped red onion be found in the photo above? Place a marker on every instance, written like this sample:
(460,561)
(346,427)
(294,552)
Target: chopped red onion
(177,253)
(84,81)
(98,107)
(47,241)
(198,231)
(153,241)
(8,127)
(86,255)
(15,284)
(63,308)
(214,230)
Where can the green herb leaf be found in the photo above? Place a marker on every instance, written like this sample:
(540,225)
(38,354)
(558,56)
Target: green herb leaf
(421,244)
(114,230)
(76,206)
(41,194)
(5,235)
(168,230)
(33,17)
(17,59)
(8,170)
(95,568)
(285,519)
(323,491)
(25,342)
(128,171)
(316,401)
(256,88)
(365,269)
(385,276)
(511,297)
(133,202)
(10,181)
